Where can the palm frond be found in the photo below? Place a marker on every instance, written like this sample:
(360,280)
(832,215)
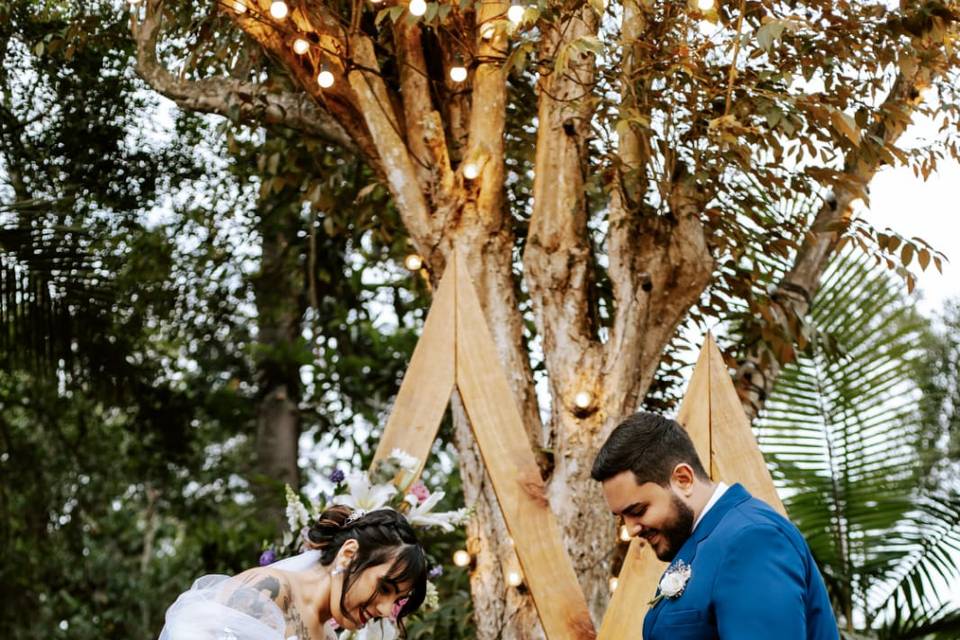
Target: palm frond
(844,435)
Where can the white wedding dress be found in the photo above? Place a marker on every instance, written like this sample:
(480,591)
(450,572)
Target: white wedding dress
(218,608)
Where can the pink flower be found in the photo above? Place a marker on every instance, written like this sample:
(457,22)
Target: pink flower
(420,491)
(397,608)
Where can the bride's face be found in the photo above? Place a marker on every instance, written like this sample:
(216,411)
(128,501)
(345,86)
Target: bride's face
(370,596)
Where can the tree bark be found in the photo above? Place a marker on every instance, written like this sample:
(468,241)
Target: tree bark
(280,298)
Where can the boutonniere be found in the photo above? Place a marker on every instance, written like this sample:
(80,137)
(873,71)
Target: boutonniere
(673,582)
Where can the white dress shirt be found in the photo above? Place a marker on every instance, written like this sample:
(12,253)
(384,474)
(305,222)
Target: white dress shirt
(718,491)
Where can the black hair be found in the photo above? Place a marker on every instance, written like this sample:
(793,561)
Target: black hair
(383,535)
(650,446)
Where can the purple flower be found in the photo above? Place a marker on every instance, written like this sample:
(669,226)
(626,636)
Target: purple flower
(436,572)
(268,557)
(337,476)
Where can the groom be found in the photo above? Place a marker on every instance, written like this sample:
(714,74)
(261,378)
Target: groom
(739,570)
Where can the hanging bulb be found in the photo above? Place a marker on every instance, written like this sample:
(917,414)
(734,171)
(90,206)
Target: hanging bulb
(471,171)
(325,79)
(613,583)
(583,400)
(705,5)
(461,558)
(413,262)
(279,9)
(300,46)
(458,72)
(488,30)
(239,6)
(624,533)
(515,13)
(417,7)
(514,579)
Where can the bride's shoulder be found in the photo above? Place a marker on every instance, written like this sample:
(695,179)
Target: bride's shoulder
(271,583)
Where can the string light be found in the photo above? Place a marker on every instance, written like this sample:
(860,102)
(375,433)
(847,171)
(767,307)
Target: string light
(705,5)
(471,171)
(458,72)
(461,558)
(413,262)
(583,400)
(624,533)
(613,583)
(239,6)
(488,30)
(300,46)
(514,579)
(515,13)
(279,9)
(417,7)
(325,78)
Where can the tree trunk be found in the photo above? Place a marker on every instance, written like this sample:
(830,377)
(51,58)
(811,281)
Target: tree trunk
(280,299)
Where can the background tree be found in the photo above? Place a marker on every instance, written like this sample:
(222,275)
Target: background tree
(652,119)
(882,525)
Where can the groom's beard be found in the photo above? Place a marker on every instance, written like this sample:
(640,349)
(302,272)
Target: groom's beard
(675,532)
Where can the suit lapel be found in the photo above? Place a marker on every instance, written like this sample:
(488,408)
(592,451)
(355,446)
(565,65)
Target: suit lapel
(734,496)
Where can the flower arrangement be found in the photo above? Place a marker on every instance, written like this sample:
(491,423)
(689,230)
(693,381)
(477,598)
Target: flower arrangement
(388,485)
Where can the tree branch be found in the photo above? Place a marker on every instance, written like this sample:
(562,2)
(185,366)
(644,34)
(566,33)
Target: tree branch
(229,97)
(757,374)
(558,258)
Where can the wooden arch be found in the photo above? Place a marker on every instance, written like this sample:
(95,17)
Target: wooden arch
(456,350)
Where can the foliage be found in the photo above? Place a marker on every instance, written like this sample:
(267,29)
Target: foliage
(851,450)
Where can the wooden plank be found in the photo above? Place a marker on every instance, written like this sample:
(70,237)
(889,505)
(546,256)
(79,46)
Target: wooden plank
(641,571)
(428,383)
(736,455)
(506,452)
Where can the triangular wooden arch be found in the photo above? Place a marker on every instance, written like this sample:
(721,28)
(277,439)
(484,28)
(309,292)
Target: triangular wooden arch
(456,350)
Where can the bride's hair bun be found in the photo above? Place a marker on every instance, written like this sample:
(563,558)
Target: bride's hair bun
(323,531)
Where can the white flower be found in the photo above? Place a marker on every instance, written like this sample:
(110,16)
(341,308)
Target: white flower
(364,495)
(420,514)
(432,598)
(674,579)
(405,461)
(297,516)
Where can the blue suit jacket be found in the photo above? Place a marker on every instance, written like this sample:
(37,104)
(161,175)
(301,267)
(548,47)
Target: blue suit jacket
(752,578)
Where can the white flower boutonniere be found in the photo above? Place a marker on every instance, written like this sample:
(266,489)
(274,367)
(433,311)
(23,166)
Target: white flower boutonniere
(674,581)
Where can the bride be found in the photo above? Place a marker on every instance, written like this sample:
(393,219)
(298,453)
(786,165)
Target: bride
(358,567)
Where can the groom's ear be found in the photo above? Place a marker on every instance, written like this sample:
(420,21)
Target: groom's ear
(683,478)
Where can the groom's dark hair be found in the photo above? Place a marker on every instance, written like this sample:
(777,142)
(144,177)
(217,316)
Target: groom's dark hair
(650,446)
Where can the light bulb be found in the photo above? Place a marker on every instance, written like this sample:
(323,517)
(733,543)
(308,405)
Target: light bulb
(471,171)
(613,583)
(239,6)
(461,558)
(413,262)
(705,5)
(583,399)
(624,533)
(514,579)
(300,46)
(515,13)
(458,73)
(488,30)
(417,7)
(325,78)
(279,9)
